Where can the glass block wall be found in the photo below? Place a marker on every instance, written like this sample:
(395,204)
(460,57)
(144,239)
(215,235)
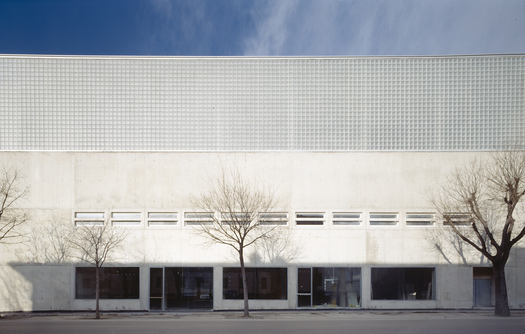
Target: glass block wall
(253,104)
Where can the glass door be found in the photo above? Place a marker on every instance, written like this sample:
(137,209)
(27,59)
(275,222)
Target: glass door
(156,288)
(304,287)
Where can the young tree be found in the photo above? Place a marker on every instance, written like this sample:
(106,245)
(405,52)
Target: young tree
(94,243)
(481,204)
(12,191)
(238,211)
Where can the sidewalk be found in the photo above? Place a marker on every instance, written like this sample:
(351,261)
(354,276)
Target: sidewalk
(310,314)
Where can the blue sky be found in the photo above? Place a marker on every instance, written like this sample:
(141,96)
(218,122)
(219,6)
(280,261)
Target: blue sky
(261,27)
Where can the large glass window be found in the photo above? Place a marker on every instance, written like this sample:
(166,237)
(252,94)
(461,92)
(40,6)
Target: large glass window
(263,283)
(329,287)
(403,284)
(115,283)
(174,288)
(188,287)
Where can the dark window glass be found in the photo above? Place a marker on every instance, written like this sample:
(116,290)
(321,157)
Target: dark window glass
(403,283)
(304,280)
(263,283)
(188,287)
(115,283)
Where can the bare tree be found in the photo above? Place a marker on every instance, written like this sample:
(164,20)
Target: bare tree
(481,204)
(12,217)
(238,212)
(93,244)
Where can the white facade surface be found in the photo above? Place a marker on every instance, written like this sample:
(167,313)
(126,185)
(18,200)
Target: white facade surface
(63,183)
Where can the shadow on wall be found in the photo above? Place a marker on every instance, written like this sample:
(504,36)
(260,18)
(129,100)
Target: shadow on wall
(30,287)
(279,250)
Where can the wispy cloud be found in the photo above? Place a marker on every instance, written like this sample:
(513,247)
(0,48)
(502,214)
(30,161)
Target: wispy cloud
(387,28)
(197,27)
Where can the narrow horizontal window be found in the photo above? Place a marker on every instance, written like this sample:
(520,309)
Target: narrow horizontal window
(383,222)
(310,215)
(198,218)
(89,218)
(346,218)
(235,216)
(88,223)
(89,215)
(122,215)
(162,218)
(126,218)
(384,219)
(273,218)
(126,223)
(458,219)
(302,218)
(162,215)
(383,216)
(420,219)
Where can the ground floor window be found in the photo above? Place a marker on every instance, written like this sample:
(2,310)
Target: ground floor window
(115,283)
(403,283)
(174,288)
(329,287)
(263,283)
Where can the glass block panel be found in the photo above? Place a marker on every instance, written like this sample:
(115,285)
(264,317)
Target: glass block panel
(319,104)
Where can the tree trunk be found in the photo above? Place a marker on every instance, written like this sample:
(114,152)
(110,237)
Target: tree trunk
(97,293)
(244,285)
(500,283)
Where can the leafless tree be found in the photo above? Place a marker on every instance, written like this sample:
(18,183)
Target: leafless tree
(481,204)
(238,212)
(12,217)
(93,244)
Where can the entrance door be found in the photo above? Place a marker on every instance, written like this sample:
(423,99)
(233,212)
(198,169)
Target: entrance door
(156,288)
(482,286)
(482,289)
(174,288)
(304,287)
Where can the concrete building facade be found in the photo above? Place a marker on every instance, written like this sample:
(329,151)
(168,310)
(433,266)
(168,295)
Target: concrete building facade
(352,145)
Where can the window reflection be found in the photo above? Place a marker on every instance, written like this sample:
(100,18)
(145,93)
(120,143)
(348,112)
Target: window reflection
(263,283)
(403,284)
(115,283)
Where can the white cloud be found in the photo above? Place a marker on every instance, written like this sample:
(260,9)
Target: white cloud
(272,31)
(387,27)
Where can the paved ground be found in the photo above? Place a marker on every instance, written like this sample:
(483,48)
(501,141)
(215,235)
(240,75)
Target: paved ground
(275,322)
